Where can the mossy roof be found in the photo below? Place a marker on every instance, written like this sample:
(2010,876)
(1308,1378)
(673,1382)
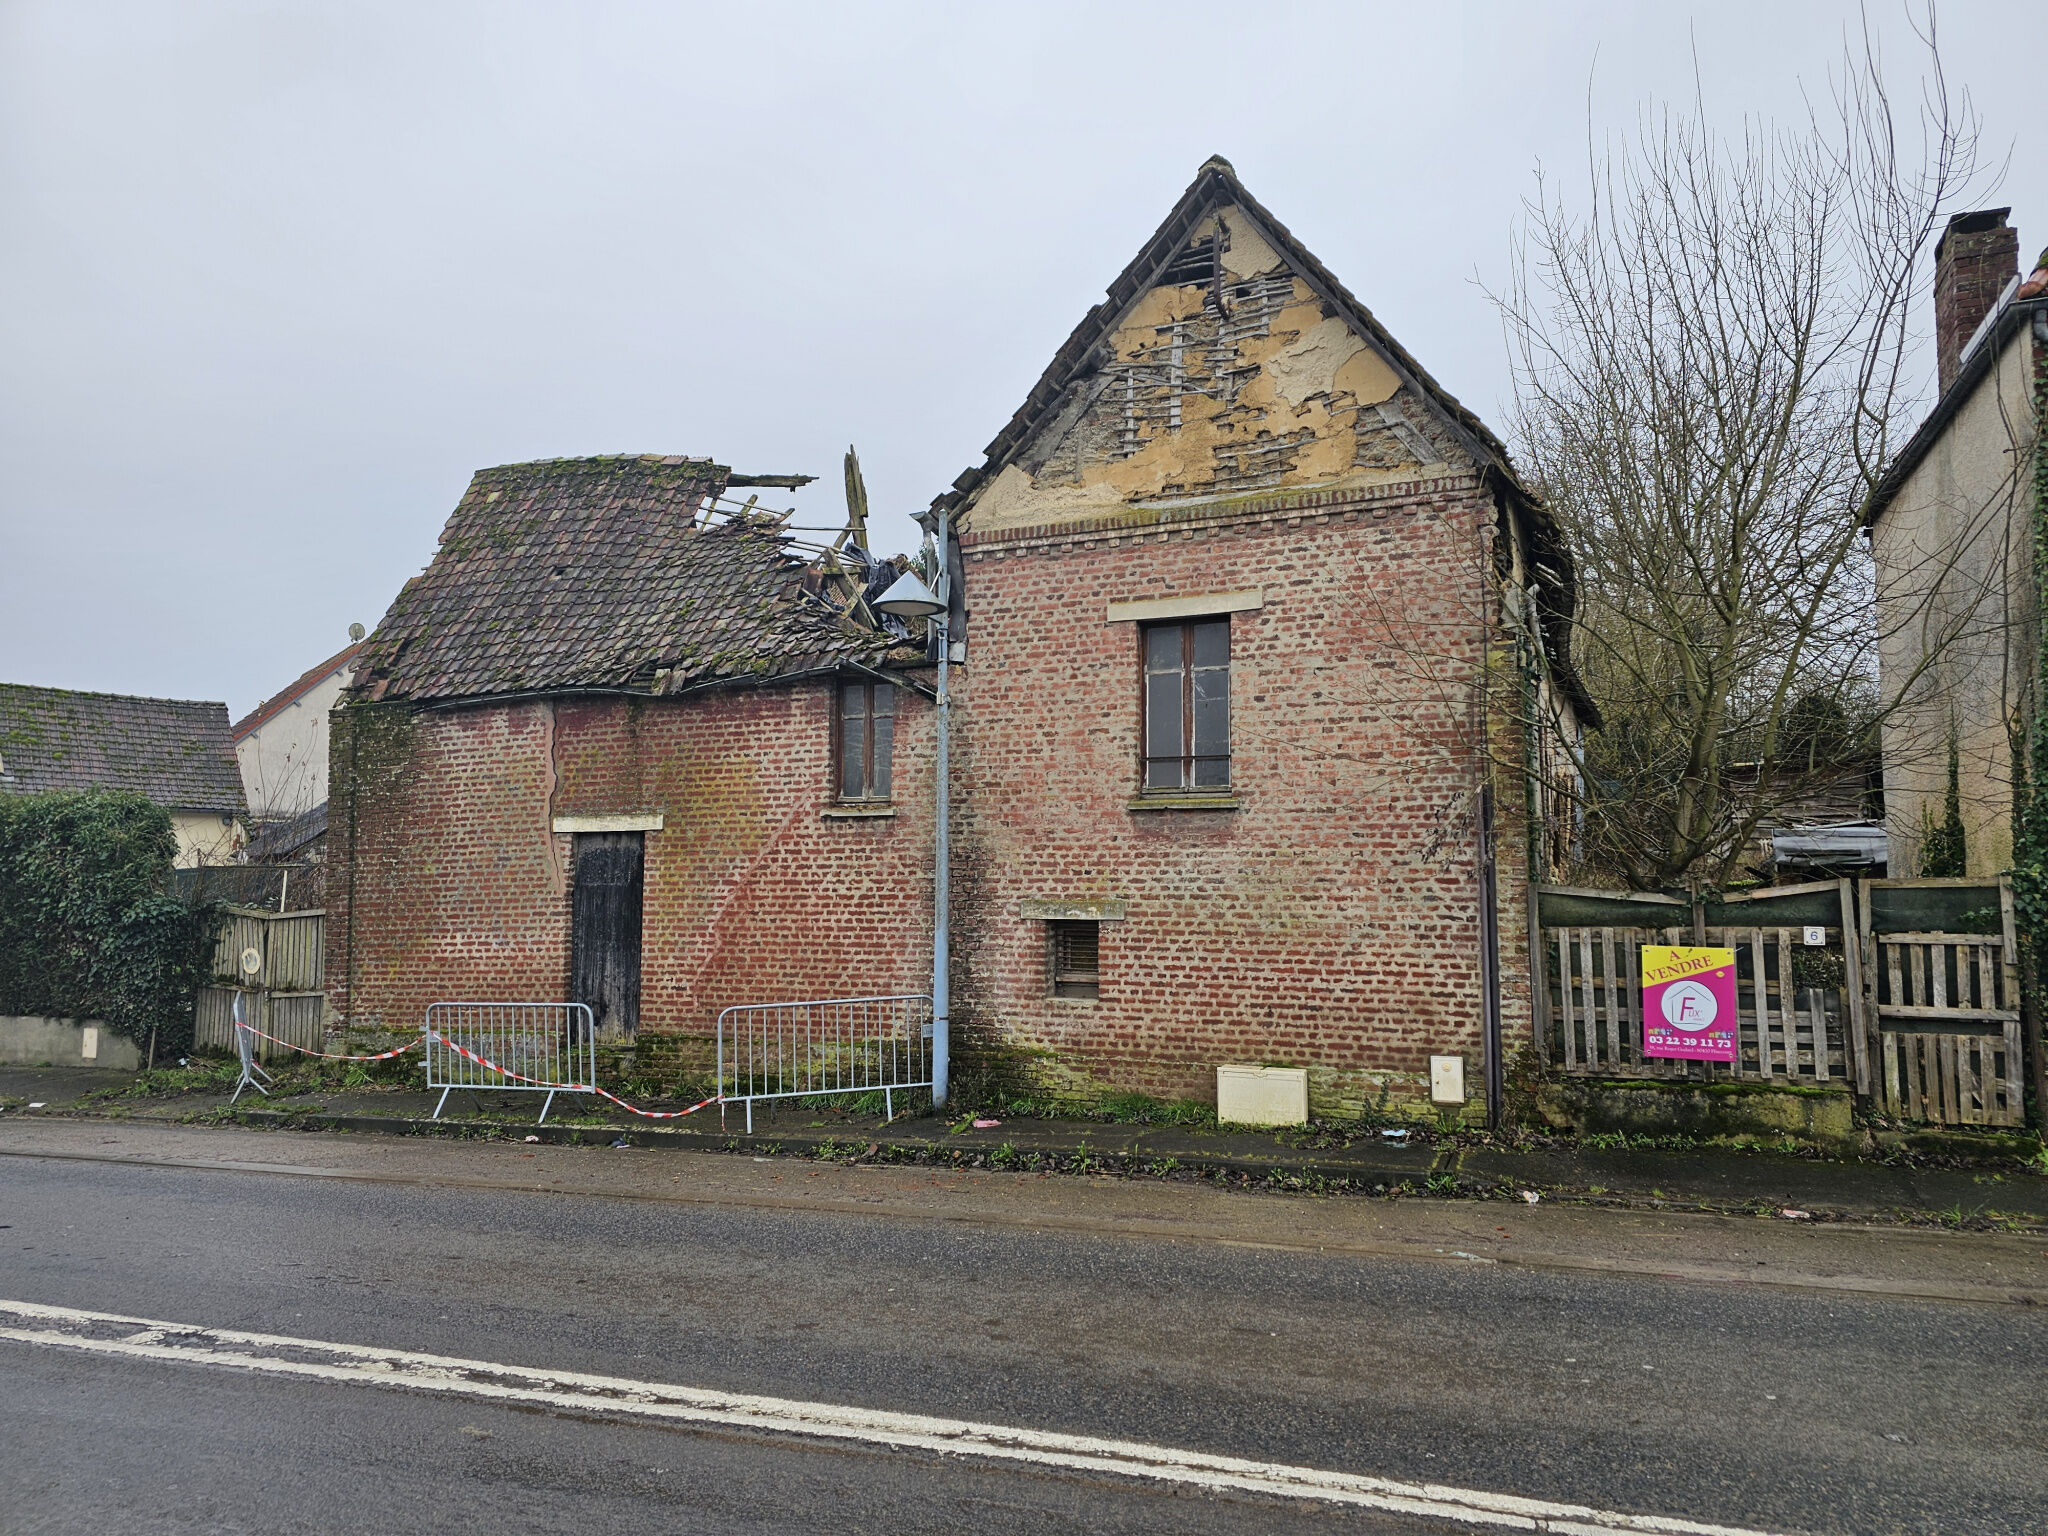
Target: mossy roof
(174,751)
(602,574)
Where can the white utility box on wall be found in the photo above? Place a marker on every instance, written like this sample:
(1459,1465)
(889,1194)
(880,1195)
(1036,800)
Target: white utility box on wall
(1262,1095)
(1446,1079)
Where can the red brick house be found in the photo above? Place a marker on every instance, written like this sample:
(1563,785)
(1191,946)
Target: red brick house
(1258,631)
(1241,596)
(590,754)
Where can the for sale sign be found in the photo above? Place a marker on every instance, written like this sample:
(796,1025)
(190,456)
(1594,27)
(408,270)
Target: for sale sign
(1689,1002)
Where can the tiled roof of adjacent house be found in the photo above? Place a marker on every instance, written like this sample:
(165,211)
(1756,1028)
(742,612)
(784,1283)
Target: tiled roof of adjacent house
(283,699)
(603,573)
(278,840)
(175,751)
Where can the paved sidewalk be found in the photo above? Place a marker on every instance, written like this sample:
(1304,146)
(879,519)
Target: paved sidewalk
(1362,1162)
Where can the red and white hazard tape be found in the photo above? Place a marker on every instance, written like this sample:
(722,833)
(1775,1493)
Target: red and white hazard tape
(658,1114)
(491,1066)
(329,1055)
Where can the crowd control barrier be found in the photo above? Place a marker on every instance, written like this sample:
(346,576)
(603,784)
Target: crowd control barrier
(546,1048)
(836,1045)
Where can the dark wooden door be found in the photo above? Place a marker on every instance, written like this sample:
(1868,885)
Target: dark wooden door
(604,944)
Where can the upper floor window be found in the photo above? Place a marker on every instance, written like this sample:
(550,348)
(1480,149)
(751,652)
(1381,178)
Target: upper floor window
(867,731)
(1187,706)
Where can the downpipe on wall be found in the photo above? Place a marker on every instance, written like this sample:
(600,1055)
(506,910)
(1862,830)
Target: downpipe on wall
(942,888)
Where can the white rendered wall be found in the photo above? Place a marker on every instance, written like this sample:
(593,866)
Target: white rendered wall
(284,760)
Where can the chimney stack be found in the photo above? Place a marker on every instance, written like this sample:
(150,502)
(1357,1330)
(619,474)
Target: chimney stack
(1978,255)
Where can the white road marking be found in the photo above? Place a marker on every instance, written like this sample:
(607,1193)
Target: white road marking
(105,1333)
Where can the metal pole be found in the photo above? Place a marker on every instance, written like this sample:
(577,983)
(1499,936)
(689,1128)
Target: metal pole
(942,885)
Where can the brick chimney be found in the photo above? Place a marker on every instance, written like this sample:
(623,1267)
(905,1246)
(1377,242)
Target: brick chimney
(1978,255)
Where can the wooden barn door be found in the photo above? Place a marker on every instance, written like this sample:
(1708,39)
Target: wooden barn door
(604,946)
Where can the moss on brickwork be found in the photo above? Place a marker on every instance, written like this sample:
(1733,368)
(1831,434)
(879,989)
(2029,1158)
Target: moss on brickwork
(370,745)
(1821,1116)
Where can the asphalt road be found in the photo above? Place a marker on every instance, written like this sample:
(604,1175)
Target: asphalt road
(1798,1405)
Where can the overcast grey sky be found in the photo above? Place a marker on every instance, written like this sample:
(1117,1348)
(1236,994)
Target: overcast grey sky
(278,277)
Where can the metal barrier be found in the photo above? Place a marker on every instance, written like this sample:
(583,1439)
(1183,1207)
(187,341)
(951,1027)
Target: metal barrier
(838,1045)
(492,1047)
(245,1052)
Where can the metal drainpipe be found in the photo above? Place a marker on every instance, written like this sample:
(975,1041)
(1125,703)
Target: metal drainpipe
(942,886)
(1489,958)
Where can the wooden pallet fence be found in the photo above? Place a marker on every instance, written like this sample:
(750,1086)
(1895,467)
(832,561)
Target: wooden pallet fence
(1594,1007)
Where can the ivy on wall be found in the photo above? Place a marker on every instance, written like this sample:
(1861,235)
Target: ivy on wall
(1944,850)
(88,927)
(2030,786)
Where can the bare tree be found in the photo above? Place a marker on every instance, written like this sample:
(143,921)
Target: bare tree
(1715,360)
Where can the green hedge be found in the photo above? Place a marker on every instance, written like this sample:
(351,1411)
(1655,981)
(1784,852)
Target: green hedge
(88,927)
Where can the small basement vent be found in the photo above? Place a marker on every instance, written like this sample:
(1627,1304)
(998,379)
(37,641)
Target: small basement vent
(1075,951)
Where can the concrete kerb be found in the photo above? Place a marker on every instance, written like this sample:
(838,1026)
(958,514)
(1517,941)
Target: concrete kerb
(1740,1185)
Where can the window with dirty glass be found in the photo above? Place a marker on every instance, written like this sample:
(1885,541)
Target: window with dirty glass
(1075,951)
(1187,706)
(867,734)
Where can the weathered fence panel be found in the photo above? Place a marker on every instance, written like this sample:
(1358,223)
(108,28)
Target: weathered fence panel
(1589,1018)
(290,948)
(1923,1018)
(299,1018)
(1943,1006)
(284,996)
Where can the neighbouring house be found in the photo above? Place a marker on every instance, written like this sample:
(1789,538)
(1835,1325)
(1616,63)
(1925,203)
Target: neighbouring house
(1259,636)
(619,744)
(174,752)
(1262,631)
(1955,536)
(281,744)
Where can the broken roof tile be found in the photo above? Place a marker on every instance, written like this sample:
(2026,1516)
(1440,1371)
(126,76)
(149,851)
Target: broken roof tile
(578,574)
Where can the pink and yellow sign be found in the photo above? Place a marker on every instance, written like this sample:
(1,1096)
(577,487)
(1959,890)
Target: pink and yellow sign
(1689,1002)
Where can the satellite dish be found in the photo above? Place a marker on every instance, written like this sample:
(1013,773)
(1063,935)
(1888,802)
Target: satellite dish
(252,961)
(355,631)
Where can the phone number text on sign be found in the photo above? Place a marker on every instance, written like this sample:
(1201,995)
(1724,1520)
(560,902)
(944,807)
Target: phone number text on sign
(1689,1002)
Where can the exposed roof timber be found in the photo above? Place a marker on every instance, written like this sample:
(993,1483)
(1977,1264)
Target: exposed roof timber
(1215,188)
(778,482)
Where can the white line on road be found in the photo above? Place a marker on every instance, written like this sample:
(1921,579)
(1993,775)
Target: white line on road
(106,1333)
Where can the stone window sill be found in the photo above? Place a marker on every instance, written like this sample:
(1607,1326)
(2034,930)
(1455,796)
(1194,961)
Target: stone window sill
(1184,803)
(880,811)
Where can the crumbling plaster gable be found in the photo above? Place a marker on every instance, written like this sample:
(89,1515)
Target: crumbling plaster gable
(1235,383)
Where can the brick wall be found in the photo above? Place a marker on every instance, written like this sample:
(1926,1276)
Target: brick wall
(446,881)
(1331,921)
(1977,255)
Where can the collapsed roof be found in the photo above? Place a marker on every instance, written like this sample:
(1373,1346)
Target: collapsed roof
(615,574)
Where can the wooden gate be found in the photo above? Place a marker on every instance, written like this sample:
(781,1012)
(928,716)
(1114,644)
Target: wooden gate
(1943,1006)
